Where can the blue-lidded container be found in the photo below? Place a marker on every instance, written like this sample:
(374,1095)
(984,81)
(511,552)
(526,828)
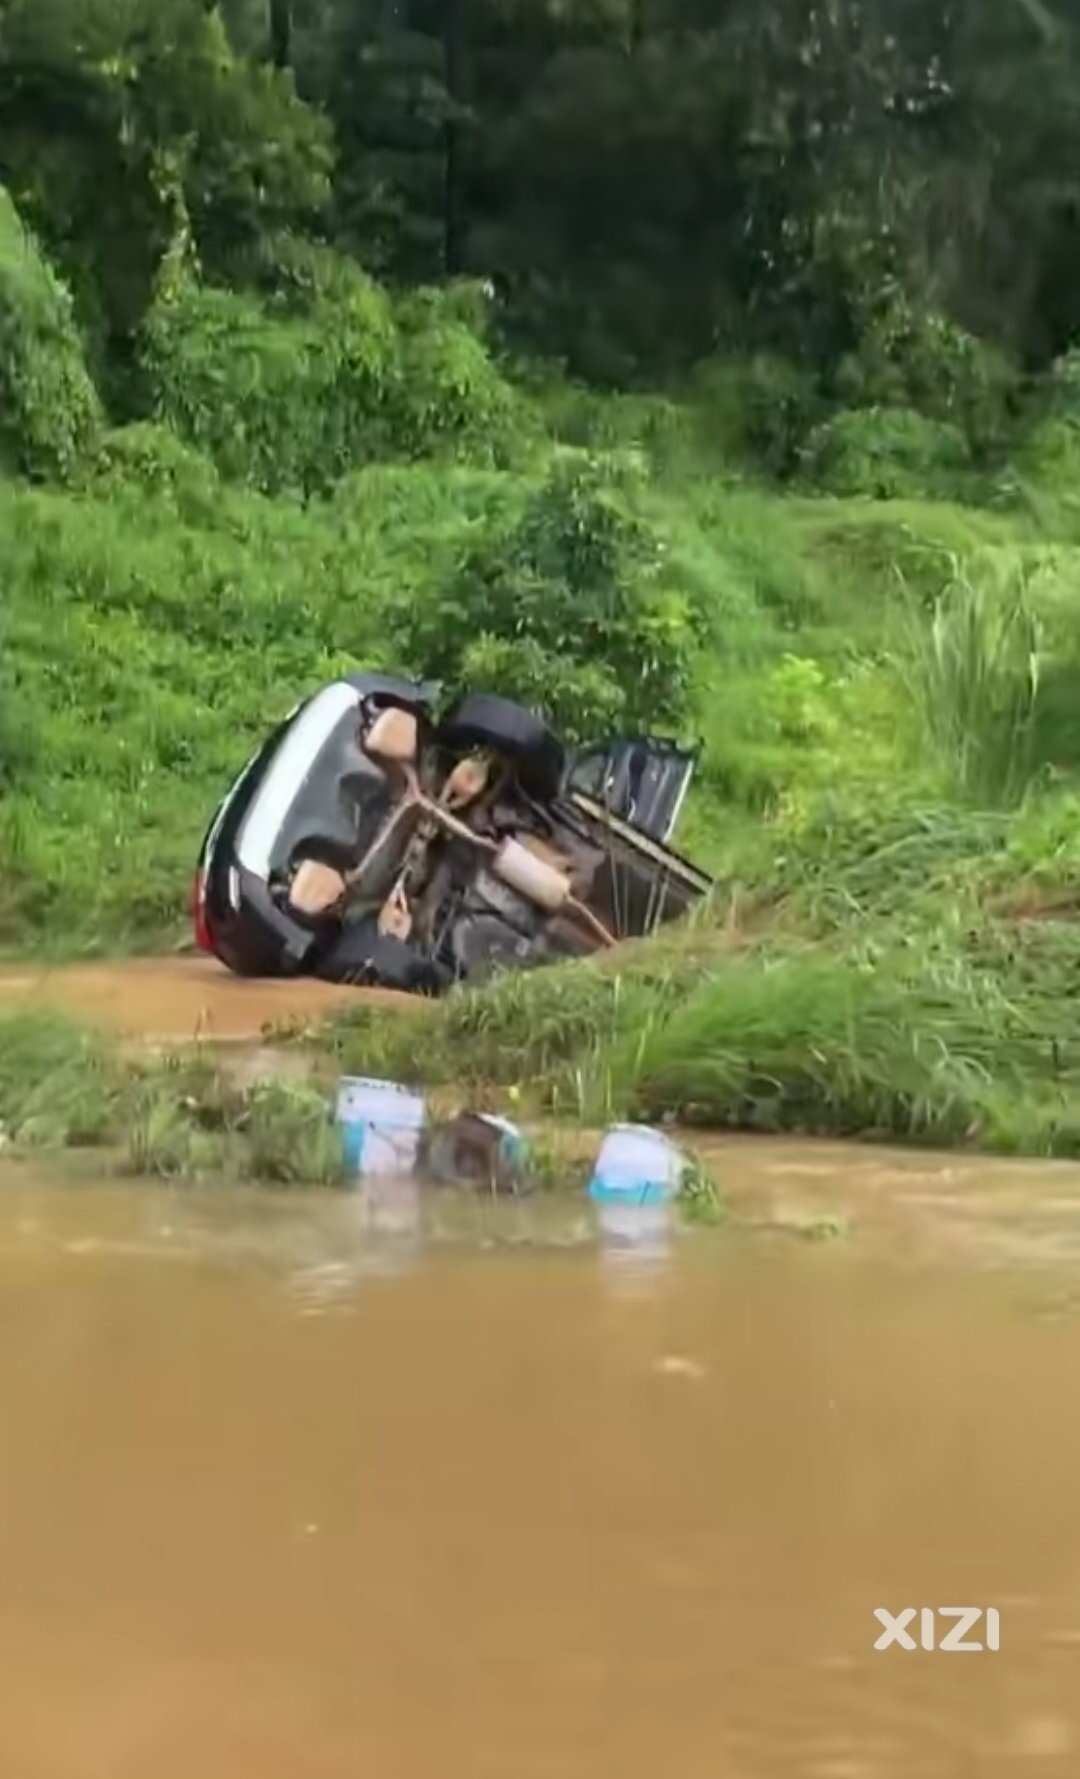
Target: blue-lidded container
(636,1166)
(382,1123)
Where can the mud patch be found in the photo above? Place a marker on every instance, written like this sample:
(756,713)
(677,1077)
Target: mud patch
(181,999)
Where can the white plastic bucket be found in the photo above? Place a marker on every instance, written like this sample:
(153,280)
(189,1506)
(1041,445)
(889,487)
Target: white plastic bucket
(636,1166)
(382,1124)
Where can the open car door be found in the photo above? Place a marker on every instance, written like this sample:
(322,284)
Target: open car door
(639,780)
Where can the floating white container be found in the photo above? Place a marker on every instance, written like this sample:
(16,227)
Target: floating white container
(382,1123)
(636,1166)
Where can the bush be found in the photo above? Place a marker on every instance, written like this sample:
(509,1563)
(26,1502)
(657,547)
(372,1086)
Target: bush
(662,430)
(758,409)
(887,454)
(294,391)
(449,396)
(152,460)
(573,597)
(909,359)
(49,409)
(281,402)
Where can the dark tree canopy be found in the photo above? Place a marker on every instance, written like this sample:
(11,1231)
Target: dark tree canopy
(643,180)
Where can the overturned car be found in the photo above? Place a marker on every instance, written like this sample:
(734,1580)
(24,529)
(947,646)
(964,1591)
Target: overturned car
(374,840)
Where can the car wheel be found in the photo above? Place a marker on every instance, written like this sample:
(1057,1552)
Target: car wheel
(483,720)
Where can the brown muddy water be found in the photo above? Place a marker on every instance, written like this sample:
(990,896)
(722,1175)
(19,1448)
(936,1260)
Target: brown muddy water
(173,1000)
(319,1487)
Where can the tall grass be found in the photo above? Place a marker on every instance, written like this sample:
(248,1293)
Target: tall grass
(973,674)
(916,1030)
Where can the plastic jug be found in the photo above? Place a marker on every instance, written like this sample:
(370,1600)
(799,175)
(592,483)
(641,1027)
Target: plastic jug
(636,1166)
(633,1187)
(382,1123)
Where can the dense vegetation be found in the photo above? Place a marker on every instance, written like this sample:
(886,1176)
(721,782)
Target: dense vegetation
(709,366)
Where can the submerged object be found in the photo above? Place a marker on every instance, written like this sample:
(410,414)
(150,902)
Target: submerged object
(480,1149)
(382,1124)
(636,1166)
(634,1185)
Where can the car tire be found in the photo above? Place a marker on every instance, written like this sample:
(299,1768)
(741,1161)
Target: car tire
(482,720)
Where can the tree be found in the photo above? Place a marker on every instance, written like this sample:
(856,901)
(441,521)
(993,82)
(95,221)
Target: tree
(127,125)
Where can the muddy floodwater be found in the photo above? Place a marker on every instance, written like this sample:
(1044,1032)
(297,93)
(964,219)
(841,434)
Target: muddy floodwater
(171,1000)
(316,1488)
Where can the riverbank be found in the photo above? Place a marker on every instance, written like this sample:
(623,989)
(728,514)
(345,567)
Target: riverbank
(897,993)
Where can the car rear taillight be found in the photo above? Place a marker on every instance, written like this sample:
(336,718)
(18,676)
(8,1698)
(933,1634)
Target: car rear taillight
(198,913)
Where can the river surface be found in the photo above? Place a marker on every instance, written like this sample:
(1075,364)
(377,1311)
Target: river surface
(325,1486)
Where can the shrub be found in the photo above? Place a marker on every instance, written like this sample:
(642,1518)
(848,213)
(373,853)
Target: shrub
(910,359)
(49,409)
(887,454)
(152,460)
(1062,388)
(292,392)
(449,396)
(278,401)
(574,590)
(664,431)
(758,409)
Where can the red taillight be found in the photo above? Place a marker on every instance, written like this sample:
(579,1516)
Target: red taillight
(198,913)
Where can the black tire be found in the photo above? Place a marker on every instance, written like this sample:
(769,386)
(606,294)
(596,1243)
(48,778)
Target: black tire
(483,720)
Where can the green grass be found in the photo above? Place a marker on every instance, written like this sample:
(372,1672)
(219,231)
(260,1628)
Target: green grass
(63,1088)
(152,642)
(155,622)
(889,793)
(900,978)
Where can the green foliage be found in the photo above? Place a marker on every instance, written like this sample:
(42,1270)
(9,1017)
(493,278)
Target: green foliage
(974,674)
(450,397)
(154,625)
(280,402)
(995,677)
(150,460)
(664,432)
(58,1084)
(932,1029)
(808,1042)
(178,1119)
(295,391)
(49,411)
(921,361)
(129,131)
(887,454)
(571,600)
(290,1136)
(757,408)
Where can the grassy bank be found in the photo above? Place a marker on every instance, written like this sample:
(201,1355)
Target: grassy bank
(868,616)
(65,1094)
(915,985)
(64,1088)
